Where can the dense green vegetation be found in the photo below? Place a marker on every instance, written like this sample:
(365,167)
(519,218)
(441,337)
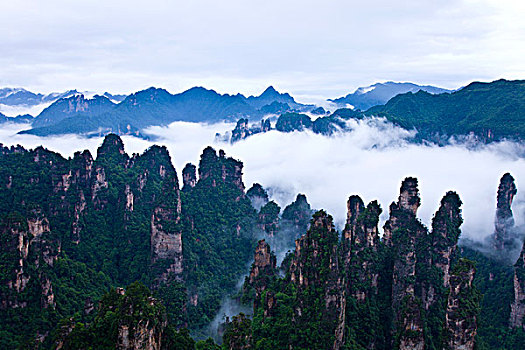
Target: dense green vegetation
(219,220)
(494,281)
(126,313)
(95,219)
(74,230)
(490,110)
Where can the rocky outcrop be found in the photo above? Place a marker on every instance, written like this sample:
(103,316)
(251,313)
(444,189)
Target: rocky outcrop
(238,334)
(189,177)
(219,168)
(445,234)
(262,271)
(243,130)
(136,332)
(130,319)
(403,231)
(462,304)
(257,195)
(503,238)
(416,253)
(377,294)
(166,234)
(315,266)
(112,151)
(405,208)
(360,245)
(298,214)
(29,245)
(517,308)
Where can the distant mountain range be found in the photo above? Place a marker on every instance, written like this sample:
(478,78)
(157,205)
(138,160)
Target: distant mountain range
(23,97)
(153,106)
(379,94)
(492,111)
(488,111)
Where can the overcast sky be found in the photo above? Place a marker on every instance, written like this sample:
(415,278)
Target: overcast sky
(308,48)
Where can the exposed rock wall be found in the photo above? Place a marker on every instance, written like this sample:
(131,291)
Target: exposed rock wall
(219,168)
(316,265)
(166,233)
(27,240)
(461,314)
(504,221)
(360,248)
(403,231)
(517,312)
(262,271)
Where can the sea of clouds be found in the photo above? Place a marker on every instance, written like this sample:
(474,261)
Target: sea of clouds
(371,160)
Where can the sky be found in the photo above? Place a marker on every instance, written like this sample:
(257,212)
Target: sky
(370,161)
(311,49)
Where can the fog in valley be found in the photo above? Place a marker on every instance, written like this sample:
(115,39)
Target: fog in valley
(371,161)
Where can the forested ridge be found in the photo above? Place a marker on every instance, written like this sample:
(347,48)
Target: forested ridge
(114,252)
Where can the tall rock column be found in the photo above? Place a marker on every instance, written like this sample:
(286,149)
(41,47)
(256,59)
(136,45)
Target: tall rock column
(262,271)
(316,273)
(445,234)
(504,222)
(517,308)
(166,232)
(362,264)
(360,243)
(462,307)
(403,231)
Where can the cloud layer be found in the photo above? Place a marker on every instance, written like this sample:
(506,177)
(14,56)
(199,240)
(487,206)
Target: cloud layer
(305,47)
(370,161)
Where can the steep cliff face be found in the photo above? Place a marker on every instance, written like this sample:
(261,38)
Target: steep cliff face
(263,270)
(517,311)
(461,314)
(126,319)
(503,238)
(360,247)
(238,335)
(93,210)
(403,231)
(30,246)
(445,234)
(372,293)
(404,210)
(166,243)
(219,168)
(241,130)
(143,333)
(219,223)
(315,268)
(166,228)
